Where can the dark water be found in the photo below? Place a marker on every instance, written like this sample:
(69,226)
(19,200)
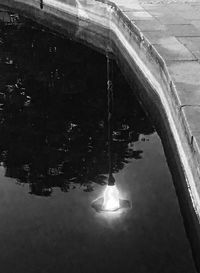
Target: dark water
(54,163)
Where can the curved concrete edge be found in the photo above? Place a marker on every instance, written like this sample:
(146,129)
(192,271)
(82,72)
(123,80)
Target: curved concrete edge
(126,40)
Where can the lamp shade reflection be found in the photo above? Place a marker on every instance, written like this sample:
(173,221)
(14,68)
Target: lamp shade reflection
(111,198)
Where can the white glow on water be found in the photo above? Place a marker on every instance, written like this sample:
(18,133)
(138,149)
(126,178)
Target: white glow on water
(111,198)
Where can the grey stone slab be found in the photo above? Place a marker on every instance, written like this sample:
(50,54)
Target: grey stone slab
(197,8)
(192,43)
(183,30)
(159,12)
(191,116)
(169,41)
(193,15)
(172,19)
(156,37)
(185,72)
(196,23)
(190,14)
(130,7)
(149,25)
(188,94)
(179,7)
(171,49)
(138,15)
(197,3)
(154,6)
(186,77)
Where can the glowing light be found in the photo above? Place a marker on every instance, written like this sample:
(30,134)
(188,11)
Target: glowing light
(111,199)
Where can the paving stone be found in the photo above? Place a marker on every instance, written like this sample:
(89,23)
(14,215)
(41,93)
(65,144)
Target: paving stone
(195,3)
(185,72)
(192,119)
(189,13)
(171,49)
(188,94)
(138,15)
(159,12)
(193,15)
(179,7)
(186,78)
(183,30)
(169,19)
(130,7)
(169,41)
(149,25)
(192,43)
(154,6)
(197,9)
(156,36)
(196,23)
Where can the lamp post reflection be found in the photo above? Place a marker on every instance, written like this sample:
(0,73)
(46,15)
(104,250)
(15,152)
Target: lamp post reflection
(41,4)
(111,198)
(111,194)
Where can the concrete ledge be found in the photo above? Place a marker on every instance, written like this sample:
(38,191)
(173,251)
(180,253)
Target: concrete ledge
(107,27)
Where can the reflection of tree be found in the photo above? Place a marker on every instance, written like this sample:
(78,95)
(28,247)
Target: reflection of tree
(53,120)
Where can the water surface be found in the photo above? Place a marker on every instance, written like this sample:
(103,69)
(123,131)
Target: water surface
(53,154)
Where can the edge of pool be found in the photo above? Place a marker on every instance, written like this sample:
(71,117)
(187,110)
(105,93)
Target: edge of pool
(105,26)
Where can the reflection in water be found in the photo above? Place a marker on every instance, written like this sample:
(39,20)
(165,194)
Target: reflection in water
(53,111)
(53,133)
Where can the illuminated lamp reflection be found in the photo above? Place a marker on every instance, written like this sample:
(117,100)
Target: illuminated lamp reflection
(111,200)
